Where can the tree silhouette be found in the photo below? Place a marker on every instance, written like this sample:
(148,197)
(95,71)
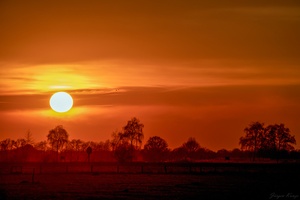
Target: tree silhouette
(191,145)
(104,146)
(134,132)
(126,142)
(254,136)
(89,152)
(155,149)
(190,148)
(74,145)
(28,138)
(179,154)
(123,150)
(273,141)
(223,153)
(20,143)
(267,141)
(278,139)
(5,144)
(42,145)
(117,138)
(57,138)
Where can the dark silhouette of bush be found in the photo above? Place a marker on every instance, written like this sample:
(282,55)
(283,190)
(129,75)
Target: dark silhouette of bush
(156,149)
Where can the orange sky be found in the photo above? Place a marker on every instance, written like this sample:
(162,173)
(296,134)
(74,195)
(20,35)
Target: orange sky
(184,68)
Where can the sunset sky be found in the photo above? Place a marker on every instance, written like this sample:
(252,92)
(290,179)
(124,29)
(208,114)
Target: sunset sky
(203,69)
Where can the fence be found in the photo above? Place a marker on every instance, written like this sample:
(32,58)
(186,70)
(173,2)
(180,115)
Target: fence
(151,168)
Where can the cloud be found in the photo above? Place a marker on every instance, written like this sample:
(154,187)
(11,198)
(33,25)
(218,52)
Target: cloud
(20,79)
(164,96)
(24,102)
(196,96)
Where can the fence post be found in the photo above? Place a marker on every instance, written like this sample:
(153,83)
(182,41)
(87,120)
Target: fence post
(91,168)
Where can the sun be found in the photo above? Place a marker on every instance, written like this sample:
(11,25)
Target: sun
(61,102)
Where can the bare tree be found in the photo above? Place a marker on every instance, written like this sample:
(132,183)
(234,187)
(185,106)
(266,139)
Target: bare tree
(28,138)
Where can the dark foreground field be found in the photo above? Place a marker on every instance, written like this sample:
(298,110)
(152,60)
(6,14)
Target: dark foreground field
(283,184)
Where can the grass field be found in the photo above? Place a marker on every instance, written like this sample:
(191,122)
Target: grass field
(209,185)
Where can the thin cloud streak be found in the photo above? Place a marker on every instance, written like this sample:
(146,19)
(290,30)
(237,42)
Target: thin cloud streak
(165,96)
(109,75)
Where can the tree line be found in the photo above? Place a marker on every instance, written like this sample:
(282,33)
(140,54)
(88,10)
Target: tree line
(273,141)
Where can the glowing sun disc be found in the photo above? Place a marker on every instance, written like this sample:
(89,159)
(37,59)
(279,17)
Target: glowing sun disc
(61,102)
